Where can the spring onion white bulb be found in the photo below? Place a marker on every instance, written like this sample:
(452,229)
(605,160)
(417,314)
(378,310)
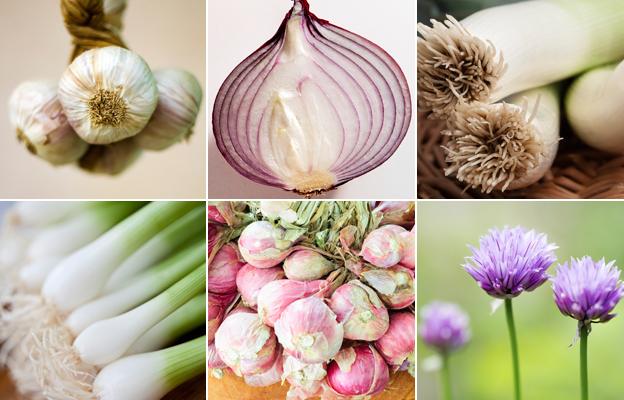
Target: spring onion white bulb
(41,213)
(145,286)
(79,230)
(187,228)
(82,276)
(185,319)
(507,145)
(595,108)
(107,340)
(150,376)
(33,274)
(503,50)
(313,108)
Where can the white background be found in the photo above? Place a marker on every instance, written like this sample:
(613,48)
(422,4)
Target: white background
(236,28)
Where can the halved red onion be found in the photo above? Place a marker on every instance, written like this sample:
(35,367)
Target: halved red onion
(313,108)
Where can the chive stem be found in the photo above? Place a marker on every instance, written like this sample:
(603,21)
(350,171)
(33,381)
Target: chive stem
(584,381)
(445,375)
(514,348)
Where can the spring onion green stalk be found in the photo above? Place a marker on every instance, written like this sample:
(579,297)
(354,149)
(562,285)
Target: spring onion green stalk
(595,108)
(147,285)
(185,319)
(428,9)
(82,276)
(507,145)
(503,50)
(152,375)
(77,231)
(189,227)
(107,340)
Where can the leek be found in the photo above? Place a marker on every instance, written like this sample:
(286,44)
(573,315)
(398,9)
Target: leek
(507,145)
(82,276)
(185,319)
(503,50)
(595,108)
(188,227)
(151,376)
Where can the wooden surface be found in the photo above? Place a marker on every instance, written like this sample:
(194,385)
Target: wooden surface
(192,390)
(231,387)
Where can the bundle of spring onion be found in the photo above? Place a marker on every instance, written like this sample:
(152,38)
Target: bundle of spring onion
(319,294)
(103,300)
(521,50)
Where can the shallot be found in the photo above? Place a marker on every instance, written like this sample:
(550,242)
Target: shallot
(223,269)
(358,371)
(250,280)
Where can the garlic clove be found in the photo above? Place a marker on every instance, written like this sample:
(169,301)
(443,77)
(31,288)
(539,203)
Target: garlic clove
(108,94)
(37,115)
(179,101)
(110,159)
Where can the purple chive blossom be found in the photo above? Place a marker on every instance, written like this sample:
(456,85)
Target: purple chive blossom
(444,326)
(510,261)
(587,290)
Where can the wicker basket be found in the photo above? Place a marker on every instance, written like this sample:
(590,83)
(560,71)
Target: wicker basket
(231,387)
(578,172)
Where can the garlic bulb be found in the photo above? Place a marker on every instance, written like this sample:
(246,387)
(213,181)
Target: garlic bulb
(110,159)
(37,115)
(179,100)
(108,94)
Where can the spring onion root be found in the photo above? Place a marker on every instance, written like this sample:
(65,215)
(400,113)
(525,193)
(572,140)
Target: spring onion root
(595,108)
(507,49)
(507,145)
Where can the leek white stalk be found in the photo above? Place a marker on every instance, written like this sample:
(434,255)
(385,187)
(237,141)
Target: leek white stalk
(107,340)
(595,108)
(189,227)
(503,50)
(151,376)
(147,285)
(185,319)
(77,231)
(82,276)
(507,145)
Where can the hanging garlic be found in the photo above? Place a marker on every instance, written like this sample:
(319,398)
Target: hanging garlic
(179,100)
(38,117)
(108,94)
(110,159)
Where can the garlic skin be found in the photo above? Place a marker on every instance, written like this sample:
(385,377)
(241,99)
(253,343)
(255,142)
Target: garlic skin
(108,94)
(179,101)
(111,159)
(37,115)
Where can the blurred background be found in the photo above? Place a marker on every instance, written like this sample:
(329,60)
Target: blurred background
(549,367)
(35,45)
(257,22)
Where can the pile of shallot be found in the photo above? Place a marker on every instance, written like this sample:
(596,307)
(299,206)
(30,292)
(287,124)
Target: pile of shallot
(316,294)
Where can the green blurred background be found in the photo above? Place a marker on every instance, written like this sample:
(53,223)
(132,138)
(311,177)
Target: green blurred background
(549,367)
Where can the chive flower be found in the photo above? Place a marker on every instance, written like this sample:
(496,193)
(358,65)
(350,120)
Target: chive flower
(507,263)
(587,291)
(510,261)
(444,326)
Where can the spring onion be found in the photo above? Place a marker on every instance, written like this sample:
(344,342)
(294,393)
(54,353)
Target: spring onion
(188,227)
(595,108)
(41,213)
(150,376)
(79,230)
(190,316)
(145,286)
(82,276)
(506,145)
(503,50)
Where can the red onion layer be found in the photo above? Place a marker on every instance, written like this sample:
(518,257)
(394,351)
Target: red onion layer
(313,108)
